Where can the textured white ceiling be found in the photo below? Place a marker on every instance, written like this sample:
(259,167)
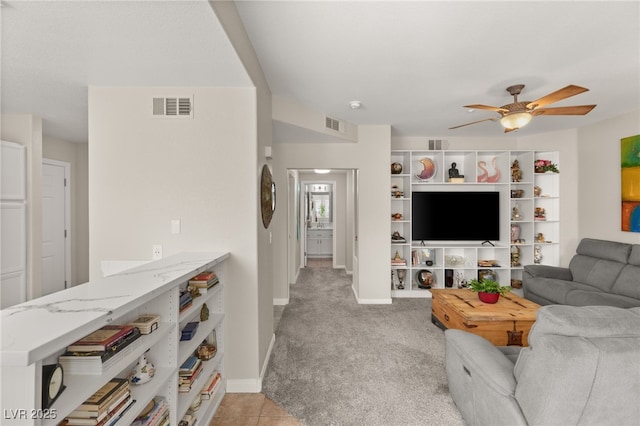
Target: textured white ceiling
(411,64)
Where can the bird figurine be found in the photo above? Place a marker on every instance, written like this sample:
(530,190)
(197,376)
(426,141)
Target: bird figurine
(484,176)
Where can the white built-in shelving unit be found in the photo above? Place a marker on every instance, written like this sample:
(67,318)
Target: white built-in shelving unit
(463,257)
(36,332)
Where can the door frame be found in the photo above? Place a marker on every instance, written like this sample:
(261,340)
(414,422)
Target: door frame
(67,215)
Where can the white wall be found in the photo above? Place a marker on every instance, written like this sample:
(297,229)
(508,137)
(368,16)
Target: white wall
(370,155)
(227,14)
(76,155)
(146,171)
(599,205)
(26,129)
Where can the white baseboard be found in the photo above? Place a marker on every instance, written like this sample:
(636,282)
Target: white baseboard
(251,385)
(244,386)
(280,302)
(371,301)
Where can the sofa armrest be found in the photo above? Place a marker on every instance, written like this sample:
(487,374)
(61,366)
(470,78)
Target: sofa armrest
(546,271)
(481,378)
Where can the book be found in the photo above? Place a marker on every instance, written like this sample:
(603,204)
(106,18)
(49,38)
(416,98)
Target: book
(98,414)
(189,366)
(205,284)
(103,416)
(189,330)
(159,412)
(101,339)
(97,362)
(203,277)
(211,386)
(103,396)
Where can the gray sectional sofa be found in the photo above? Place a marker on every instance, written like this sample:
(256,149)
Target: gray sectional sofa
(581,368)
(601,273)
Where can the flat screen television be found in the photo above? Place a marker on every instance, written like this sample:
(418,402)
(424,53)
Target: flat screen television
(455,216)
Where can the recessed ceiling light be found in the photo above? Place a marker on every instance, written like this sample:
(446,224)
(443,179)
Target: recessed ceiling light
(355,104)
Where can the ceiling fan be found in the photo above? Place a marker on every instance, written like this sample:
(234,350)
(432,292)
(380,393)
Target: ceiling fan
(515,115)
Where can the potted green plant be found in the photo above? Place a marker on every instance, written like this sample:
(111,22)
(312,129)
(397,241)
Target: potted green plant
(489,291)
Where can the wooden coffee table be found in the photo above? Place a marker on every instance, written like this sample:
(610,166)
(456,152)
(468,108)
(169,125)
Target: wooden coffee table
(504,323)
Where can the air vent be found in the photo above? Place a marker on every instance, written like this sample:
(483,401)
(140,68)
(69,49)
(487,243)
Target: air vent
(334,124)
(173,107)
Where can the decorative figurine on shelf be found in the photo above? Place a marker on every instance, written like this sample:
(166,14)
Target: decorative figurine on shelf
(515,233)
(396,192)
(401,275)
(428,169)
(204,312)
(540,237)
(537,255)
(142,372)
(396,216)
(396,168)
(516,172)
(484,176)
(397,238)
(515,256)
(453,171)
(461,281)
(398,261)
(515,212)
(537,191)
(539,214)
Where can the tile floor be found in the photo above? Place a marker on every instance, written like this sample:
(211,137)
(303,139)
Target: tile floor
(251,409)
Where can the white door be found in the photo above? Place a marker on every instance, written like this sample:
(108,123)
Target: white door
(13,225)
(55,256)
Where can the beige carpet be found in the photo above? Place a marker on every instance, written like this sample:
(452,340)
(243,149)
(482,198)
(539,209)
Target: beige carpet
(335,362)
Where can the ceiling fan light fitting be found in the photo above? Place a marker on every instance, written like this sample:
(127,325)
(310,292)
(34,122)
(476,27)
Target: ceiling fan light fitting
(516,120)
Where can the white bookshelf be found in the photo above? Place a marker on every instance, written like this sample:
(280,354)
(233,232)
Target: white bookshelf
(463,257)
(36,332)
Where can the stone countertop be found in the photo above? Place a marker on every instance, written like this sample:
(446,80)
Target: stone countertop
(35,329)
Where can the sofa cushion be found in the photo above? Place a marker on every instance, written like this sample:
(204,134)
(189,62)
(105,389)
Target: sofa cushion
(581,366)
(628,283)
(585,321)
(556,290)
(600,273)
(603,249)
(634,256)
(580,297)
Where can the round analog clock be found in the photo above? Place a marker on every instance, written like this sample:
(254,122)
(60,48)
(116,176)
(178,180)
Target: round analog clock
(267,196)
(52,383)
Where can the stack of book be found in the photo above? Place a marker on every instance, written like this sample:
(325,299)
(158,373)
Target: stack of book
(211,387)
(155,414)
(204,280)
(185,300)
(96,352)
(105,407)
(188,373)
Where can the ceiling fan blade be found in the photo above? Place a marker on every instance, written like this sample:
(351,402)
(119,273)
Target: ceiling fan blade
(556,96)
(570,110)
(487,107)
(509,130)
(473,122)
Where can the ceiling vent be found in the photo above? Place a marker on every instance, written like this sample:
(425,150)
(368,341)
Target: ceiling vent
(334,124)
(173,107)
